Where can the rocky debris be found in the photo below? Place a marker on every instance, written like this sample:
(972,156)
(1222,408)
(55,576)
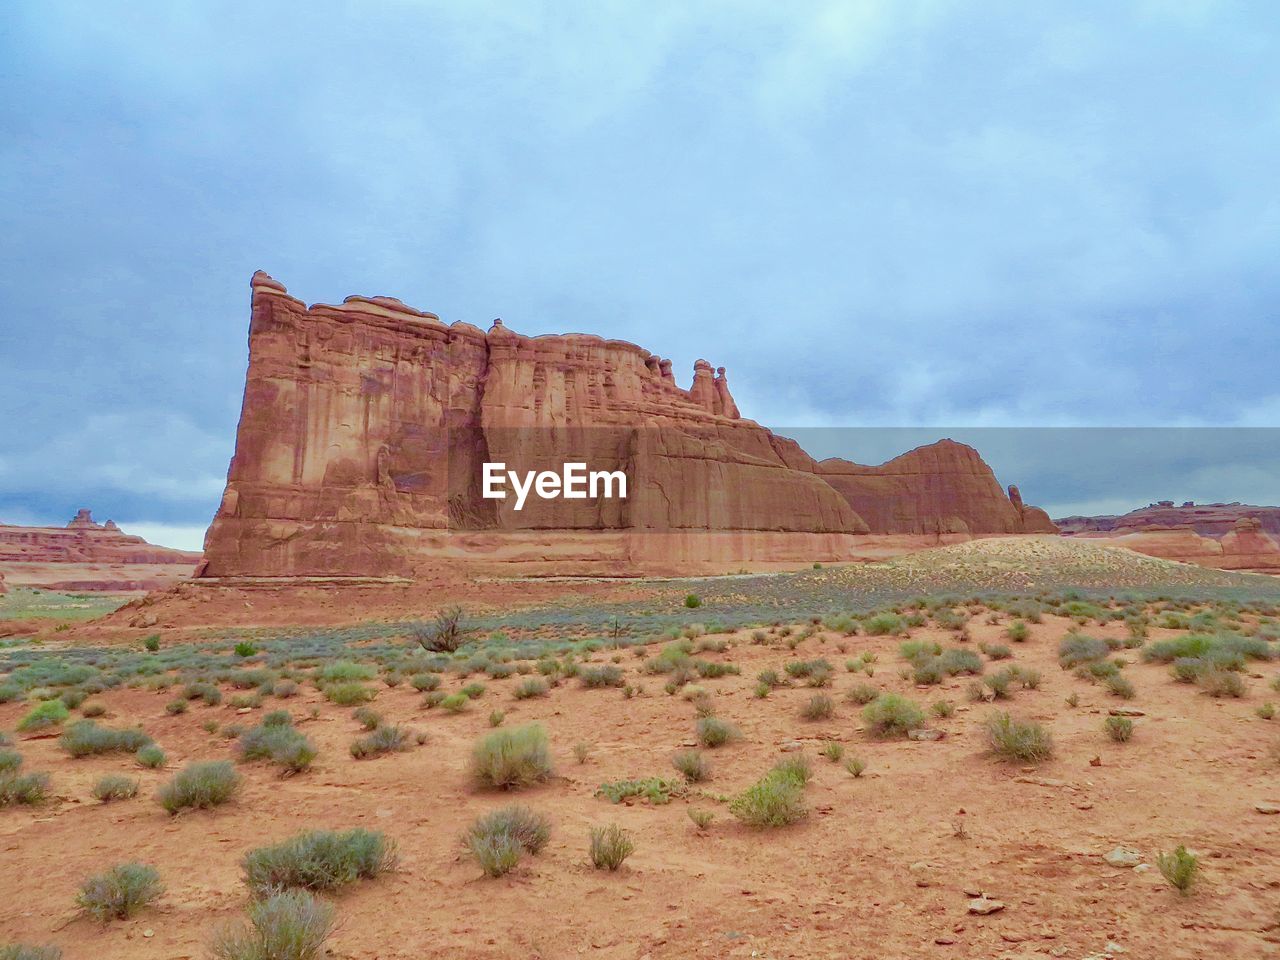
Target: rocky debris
(1269,809)
(982,906)
(310,493)
(1126,712)
(925,733)
(1123,857)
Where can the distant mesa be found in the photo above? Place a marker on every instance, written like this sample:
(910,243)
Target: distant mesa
(1230,536)
(364,426)
(86,555)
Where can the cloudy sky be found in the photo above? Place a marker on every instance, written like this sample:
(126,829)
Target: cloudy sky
(873,212)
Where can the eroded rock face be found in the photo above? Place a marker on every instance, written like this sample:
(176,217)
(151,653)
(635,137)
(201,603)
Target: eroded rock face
(1229,536)
(365,425)
(84,541)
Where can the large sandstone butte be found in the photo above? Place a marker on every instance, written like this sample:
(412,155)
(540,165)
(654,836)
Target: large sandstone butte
(1230,536)
(364,427)
(86,555)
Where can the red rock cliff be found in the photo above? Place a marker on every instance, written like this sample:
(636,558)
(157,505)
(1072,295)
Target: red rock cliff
(364,427)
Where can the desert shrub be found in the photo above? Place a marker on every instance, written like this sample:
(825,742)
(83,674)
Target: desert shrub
(1217,682)
(1179,868)
(386,739)
(369,719)
(28,789)
(957,661)
(610,846)
(693,765)
(713,732)
(1017,631)
(801,669)
(473,691)
(1119,729)
(72,698)
(819,707)
(775,800)
(884,624)
(833,751)
(433,698)
(862,693)
(506,759)
(603,676)
(10,761)
(91,710)
(114,786)
(692,601)
(1187,669)
(657,790)
(175,707)
(1266,711)
(1023,740)
(348,694)
(1030,679)
(85,738)
(891,715)
(498,839)
(200,786)
(292,925)
(318,860)
(206,692)
(150,756)
(701,818)
(284,689)
(250,700)
(244,649)
(529,688)
(422,682)
(455,702)
(1075,649)
(856,766)
(280,743)
(446,635)
(581,751)
(120,892)
(796,766)
(1121,687)
(997,651)
(47,713)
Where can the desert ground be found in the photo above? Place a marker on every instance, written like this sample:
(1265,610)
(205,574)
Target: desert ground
(888,833)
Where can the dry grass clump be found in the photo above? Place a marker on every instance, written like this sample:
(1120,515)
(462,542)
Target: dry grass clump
(383,740)
(693,765)
(610,846)
(277,740)
(713,732)
(199,786)
(120,892)
(892,715)
(498,840)
(318,860)
(114,786)
(27,789)
(776,799)
(819,707)
(23,951)
(292,925)
(1119,729)
(1019,740)
(508,759)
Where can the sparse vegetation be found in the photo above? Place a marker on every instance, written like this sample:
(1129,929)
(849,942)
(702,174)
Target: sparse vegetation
(199,786)
(1021,740)
(1180,868)
(291,925)
(114,786)
(512,758)
(318,860)
(891,715)
(499,839)
(120,892)
(610,846)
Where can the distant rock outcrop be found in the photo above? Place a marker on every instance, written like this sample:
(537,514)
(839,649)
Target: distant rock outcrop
(1230,536)
(85,555)
(364,428)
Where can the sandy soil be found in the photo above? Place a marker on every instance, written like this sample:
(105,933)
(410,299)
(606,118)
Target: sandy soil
(875,872)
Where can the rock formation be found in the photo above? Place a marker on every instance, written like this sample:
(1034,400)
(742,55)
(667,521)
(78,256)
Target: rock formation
(85,555)
(364,428)
(1229,536)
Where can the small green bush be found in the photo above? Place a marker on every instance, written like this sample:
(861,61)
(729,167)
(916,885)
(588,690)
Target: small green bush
(47,713)
(318,860)
(603,676)
(891,715)
(1217,682)
(150,756)
(610,846)
(1017,631)
(10,761)
(200,786)
(1119,729)
(499,839)
(23,951)
(529,688)
(1179,868)
(280,743)
(819,707)
(713,732)
(348,694)
(85,738)
(862,693)
(657,790)
(120,892)
(1021,740)
(292,925)
(692,601)
(507,759)
(383,740)
(856,766)
(776,800)
(29,789)
(693,765)
(884,624)
(1075,649)
(114,786)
